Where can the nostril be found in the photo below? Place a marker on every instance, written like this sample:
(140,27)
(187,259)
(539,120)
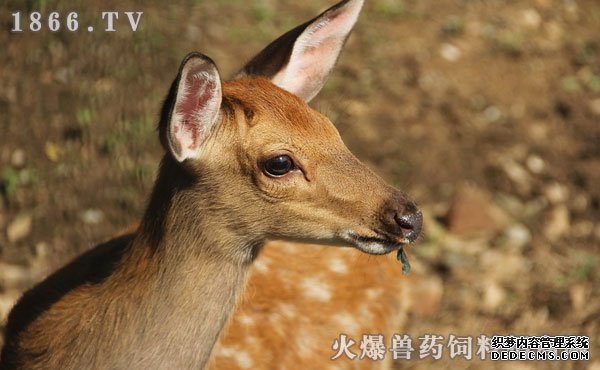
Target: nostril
(404,222)
(410,224)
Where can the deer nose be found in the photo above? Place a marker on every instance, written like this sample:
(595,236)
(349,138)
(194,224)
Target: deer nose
(410,223)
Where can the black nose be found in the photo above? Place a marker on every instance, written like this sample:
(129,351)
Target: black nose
(410,224)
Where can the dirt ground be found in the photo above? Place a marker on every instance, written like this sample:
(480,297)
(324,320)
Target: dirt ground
(487,112)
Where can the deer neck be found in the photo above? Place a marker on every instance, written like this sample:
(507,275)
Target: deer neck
(191,266)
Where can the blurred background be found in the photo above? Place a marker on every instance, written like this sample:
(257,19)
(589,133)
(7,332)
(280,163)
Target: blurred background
(487,112)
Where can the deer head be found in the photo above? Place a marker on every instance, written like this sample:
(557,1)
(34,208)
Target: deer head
(273,167)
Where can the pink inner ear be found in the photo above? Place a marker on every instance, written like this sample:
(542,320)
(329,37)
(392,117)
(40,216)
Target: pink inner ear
(316,50)
(310,73)
(191,123)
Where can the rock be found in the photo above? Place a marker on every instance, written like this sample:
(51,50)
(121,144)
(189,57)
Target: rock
(517,236)
(458,249)
(556,193)
(518,175)
(53,151)
(492,114)
(17,158)
(579,294)
(62,75)
(104,85)
(26,176)
(504,266)
(531,18)
(92,216)
(595,106)
(510,203)
(7,301)
(580,202)
(473,213)
(554,33)
(493,295)
(533,207)
(456,261)
(585,74)
(9,93)
(450,52)
(558,223)
(13,276)
(538,132)
(41,250)
(572,9)
(535,164)
(19,228)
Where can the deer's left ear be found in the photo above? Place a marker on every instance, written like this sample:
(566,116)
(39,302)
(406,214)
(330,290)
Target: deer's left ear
(300,61)
(192,107)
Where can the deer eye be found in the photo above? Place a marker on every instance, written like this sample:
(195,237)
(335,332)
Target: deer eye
(278,166)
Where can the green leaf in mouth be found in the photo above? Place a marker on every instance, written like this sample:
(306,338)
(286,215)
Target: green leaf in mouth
(402,257)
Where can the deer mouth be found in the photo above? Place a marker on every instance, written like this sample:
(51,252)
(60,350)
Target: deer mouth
(380,244)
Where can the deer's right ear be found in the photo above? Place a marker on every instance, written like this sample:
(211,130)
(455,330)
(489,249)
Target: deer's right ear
(300,61)
(192,107)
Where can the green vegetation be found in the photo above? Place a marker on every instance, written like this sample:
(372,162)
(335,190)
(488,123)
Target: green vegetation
(263,13)
(390,8)
(586,269)
(587,53)
(10,182)
(454,26)
(511,43)
(12,179)
(84,116)
(570,84)
(594,84)
(136,131)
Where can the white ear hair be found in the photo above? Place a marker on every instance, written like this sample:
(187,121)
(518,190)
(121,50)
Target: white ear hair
(301,60)
(195,109)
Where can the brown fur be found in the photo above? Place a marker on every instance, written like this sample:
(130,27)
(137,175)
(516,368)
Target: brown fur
(277,326)
(373,291)
(159,299)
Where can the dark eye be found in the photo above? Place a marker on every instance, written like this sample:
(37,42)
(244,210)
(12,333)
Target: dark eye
(279,166)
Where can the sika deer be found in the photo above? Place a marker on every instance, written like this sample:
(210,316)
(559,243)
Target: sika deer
(245,161)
